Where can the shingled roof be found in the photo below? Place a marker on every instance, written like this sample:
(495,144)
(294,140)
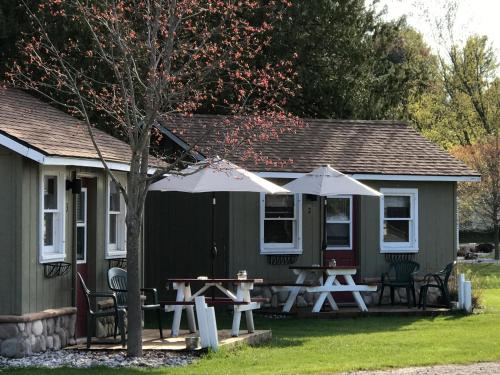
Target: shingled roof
(353,147)
(37,125)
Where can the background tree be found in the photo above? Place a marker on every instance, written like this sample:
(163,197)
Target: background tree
(134,63)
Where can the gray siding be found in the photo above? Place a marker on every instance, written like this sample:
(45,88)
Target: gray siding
(10,217)
(437,227)
(244,229)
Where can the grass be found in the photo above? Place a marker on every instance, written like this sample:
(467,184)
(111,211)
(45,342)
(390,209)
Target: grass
(329,346)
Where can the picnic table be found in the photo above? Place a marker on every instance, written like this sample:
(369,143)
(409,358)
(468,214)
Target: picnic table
(241,301)
(325,287)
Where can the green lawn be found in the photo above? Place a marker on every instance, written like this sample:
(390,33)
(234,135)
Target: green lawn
(325,346)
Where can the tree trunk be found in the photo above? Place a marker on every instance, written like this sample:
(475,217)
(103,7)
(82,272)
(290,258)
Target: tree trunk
(496,240)
(134,311)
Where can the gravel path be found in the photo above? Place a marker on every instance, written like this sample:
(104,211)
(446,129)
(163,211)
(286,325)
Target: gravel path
(484,368)
(85,359)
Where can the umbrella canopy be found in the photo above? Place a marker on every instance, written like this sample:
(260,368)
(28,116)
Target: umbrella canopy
(325,181)
(216,175)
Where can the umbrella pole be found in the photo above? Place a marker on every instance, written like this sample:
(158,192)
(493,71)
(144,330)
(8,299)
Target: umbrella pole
(213,249)
(322,227)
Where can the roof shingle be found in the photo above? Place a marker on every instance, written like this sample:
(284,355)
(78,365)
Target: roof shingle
(351,146)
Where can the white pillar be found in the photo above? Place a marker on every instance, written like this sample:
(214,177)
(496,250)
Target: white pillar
(201,313)
(460,286)
(212,328)
(467,296)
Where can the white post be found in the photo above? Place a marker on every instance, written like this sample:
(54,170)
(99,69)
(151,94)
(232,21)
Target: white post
(212,328)
(460,286)
(201,313)
(467,296)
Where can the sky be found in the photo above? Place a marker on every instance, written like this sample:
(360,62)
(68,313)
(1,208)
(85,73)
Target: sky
(473,17)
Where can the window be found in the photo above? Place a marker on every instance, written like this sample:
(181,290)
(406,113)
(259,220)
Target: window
(52,215)
(116,229)
(281,226)
(399,220)
(339,223)
(81,226)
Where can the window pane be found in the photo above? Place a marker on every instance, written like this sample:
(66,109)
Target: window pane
(278,231)
(396,207)
(280,206)
(50,192)
(396,231)
(80,208)
(114,197)
(338,209)
(338,235)
(80,243)
(48,229)
(112,229)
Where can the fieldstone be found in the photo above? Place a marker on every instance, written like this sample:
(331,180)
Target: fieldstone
(266,293)
(283,296)
(12,347)
(32,339)
(28,328)
(43,343)
(8,330)
(50,342)
(309,297)
(21,326)
(50,326)
(274,301)
(57,342)
(37,346)
(72,341)
(300,302)
(101,329)
(27,347)
(37,328)
(63,337)
(72,325)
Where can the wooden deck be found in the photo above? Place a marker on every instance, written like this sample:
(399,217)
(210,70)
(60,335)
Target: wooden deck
(354,312)
(152,341)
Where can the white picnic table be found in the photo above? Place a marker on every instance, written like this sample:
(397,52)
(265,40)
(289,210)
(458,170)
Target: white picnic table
(241,300)
(326,287)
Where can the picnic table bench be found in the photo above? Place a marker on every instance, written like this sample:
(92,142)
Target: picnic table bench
(241,301)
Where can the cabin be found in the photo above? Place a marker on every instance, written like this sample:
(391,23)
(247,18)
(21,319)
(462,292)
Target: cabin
(59,214)
(416,219)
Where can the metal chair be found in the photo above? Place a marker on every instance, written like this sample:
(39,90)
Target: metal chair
(117,281)
(437,280)
(92,314)
(400,275)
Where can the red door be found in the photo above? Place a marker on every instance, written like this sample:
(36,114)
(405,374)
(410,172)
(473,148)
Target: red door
(81,256)
(339,230)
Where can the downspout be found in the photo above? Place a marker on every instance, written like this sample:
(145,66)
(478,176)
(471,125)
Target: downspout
(73,245)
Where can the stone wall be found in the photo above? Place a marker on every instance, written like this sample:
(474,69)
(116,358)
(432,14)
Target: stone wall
(37,332)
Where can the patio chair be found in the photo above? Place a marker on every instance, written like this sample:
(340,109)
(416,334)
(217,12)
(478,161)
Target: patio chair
(400,275)
(437,280)
(92,314)
(117,281)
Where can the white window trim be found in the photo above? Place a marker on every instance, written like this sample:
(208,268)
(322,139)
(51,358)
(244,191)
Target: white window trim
(84,225)
(57,252)
(120,249)
(342,222)
(276,249)
(401,247)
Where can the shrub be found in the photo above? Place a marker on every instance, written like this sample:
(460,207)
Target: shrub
(484,248)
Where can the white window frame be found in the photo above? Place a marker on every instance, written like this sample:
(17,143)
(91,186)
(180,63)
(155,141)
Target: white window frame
(56,252)
(282,248)
(118,250)
(349,247)
(400,247)
(84,226)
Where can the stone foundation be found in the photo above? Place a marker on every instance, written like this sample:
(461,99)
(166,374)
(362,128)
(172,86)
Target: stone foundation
(23,335)
(305,299)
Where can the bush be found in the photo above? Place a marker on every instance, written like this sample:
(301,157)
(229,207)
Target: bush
(484,248)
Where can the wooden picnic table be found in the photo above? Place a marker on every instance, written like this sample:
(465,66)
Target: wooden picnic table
(326,287)
(241,301)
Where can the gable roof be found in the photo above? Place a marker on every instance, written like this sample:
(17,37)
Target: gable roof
(358,147)
(48,135)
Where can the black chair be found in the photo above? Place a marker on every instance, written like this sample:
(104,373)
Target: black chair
(400,275)
(437,280)
(117,281)
(92,314)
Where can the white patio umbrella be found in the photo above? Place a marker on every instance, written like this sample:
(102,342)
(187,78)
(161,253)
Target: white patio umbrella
(216,175)
(325,181)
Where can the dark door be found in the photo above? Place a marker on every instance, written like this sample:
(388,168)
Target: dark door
(81,257)
(340,237)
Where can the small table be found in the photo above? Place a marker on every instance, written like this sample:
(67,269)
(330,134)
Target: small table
(328,286)
(242,299)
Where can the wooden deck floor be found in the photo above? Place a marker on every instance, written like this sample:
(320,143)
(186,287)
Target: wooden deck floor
(152,341)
